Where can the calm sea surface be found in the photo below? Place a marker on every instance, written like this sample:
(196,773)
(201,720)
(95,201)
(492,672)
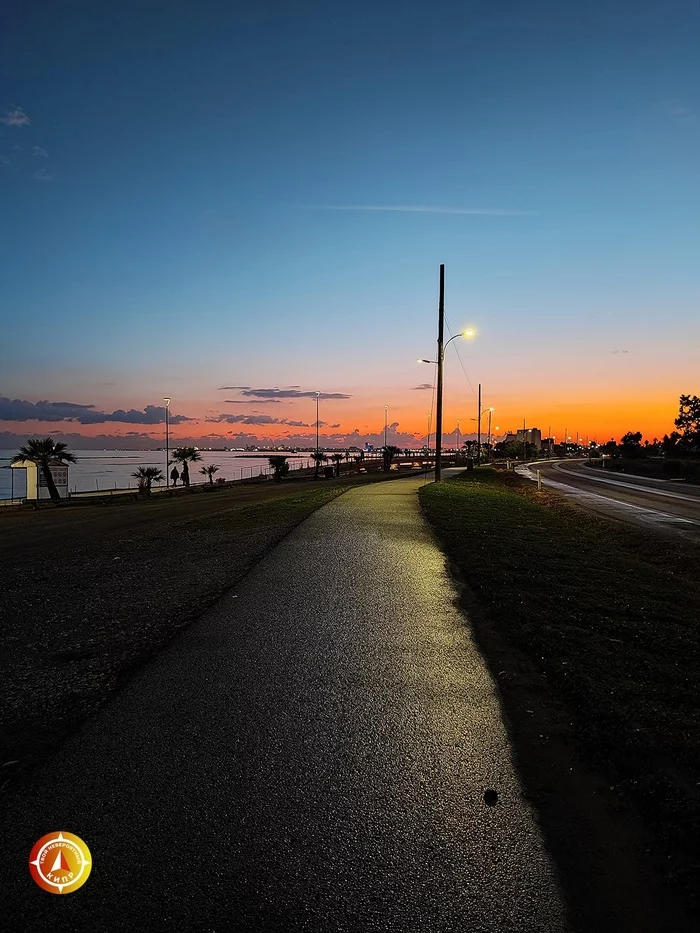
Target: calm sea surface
(112,469)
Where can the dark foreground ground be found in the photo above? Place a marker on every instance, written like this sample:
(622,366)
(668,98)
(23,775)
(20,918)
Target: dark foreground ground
(311,755)
(592,629)
(91,592)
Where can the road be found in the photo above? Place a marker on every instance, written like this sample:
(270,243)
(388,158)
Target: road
(311,755)
(666,506)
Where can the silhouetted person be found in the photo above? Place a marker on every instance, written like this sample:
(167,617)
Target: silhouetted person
(174,475)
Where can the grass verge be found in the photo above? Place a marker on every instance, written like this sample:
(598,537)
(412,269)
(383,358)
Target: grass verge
(79,614)
(610,618)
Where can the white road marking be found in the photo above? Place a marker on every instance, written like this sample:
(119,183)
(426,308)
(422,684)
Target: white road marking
(625,485)
(653,516)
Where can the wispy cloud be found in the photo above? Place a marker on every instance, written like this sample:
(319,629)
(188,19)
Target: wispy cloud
(15,117)
(256,419)
(290,393)
(419,209)
(42,175)
(232,388)
(39,152)
(424,385)
(680,111)
(614,352)
(265,401)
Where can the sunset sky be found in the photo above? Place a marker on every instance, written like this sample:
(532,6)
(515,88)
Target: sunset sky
(208,195)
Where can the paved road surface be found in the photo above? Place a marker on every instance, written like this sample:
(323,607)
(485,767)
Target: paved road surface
(658,504)
(310,756)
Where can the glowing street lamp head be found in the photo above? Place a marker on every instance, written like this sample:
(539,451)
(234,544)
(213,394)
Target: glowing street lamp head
(469,333)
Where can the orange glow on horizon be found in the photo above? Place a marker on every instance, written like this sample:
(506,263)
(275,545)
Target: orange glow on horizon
(597,417)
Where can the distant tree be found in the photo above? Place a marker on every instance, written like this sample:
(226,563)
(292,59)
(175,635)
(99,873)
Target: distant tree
(631,445)
(146,476)
(511,450)
(672,444)
(280,466)
(184,456)
(318,458)
(688,421)
(210,471)
(337,459)
(42,451)
(388,454)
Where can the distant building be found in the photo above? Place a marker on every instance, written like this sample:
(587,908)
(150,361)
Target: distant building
(529,436)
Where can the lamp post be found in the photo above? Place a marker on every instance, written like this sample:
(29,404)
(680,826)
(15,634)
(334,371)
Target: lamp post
(386,423)
(489,412)
(468,334)
(428,435)
(317,398)
(167,443)
(459,435)
(478,430)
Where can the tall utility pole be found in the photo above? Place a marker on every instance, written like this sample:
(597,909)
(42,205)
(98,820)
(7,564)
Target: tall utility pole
(549,441)
(459,435)
(440,362)
(429,420)
(386,423)
(490,413)
(167,443)
(524,443)
(478,431)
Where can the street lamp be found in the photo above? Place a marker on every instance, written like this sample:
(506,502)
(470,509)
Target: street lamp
(430,418)
(459,435)
(386,423)
(317,398)
(167,442)
(467,334)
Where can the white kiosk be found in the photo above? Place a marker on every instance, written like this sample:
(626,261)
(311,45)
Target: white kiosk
(36,482)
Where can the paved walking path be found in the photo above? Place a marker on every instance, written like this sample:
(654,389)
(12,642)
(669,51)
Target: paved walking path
(311,755)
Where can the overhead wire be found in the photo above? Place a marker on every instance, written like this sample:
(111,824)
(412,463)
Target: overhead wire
(456,349)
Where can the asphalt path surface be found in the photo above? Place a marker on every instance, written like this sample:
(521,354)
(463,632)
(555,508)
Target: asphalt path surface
(665,506)
(311,755)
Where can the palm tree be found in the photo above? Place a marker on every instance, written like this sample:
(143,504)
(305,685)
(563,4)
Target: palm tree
(280,466)
(146,476)
(336,458)
(185,456)
(42,451)
(210,471)
(318,458)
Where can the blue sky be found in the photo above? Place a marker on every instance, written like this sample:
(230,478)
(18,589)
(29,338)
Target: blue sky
(183,188)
